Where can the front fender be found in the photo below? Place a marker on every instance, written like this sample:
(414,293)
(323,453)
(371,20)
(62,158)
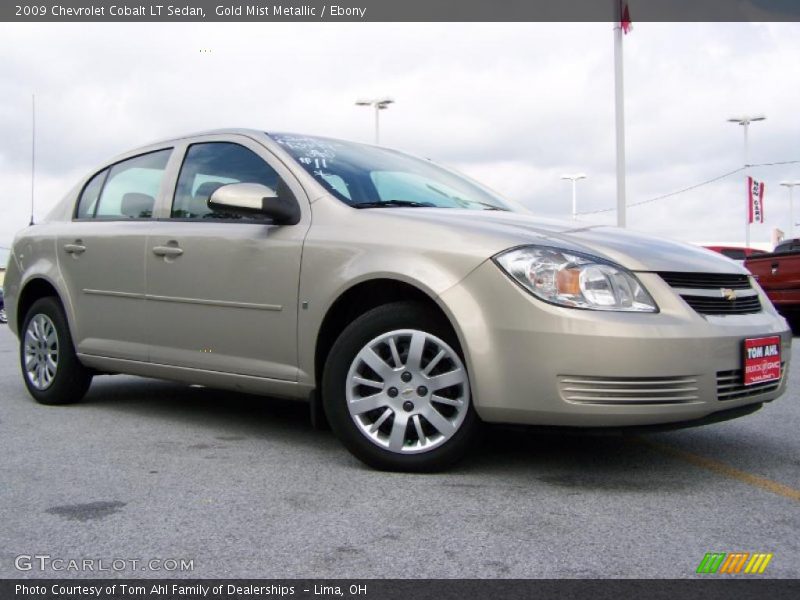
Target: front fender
(326,276)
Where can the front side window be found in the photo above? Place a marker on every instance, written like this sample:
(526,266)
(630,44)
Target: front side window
(367,176)
(129,189)
(211,165)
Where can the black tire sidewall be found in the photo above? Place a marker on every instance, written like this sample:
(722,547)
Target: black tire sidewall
(72,379)
(399,315)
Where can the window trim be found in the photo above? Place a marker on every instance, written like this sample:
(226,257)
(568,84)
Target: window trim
(107,168)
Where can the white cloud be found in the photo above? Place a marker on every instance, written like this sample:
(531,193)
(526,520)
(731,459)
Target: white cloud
(515,105)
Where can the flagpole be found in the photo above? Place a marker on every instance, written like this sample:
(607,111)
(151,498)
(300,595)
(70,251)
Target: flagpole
(619,116)
(745,126)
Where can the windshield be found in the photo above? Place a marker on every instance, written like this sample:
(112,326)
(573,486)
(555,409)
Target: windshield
(368,176)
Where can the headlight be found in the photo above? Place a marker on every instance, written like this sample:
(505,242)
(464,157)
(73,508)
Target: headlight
(575,280)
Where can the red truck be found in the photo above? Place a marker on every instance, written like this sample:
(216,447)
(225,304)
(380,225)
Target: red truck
(778,272)
(735,252)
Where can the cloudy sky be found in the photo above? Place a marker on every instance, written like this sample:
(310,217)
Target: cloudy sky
(514,105)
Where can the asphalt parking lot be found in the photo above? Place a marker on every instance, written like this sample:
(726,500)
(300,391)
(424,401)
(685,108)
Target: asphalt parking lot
(246,488)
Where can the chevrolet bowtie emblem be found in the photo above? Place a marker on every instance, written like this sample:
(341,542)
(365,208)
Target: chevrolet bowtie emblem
(728,294)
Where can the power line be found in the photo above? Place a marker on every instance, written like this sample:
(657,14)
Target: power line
(772,164)
(692,187)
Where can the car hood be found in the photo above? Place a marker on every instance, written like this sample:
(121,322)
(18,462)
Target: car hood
(500,230)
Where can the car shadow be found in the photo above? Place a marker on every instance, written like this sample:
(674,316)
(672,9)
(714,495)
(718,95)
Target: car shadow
(516,454)
(225,410)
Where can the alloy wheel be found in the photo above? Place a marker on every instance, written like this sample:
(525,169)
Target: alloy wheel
(408,391)
(41,352)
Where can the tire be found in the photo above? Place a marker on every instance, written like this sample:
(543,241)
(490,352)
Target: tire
(62,379)
(400,420)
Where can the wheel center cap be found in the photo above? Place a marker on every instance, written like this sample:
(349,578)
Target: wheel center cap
(407,393)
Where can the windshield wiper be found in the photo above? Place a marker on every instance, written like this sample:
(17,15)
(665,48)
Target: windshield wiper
(490,206)
(461,201)
(393,204)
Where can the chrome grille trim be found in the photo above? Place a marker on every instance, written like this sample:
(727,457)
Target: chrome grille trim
(627,391)
(714,293)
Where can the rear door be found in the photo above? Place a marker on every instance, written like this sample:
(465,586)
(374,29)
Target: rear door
(222,292)
(101,255)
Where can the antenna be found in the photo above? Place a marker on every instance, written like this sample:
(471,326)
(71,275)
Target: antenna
(33,148)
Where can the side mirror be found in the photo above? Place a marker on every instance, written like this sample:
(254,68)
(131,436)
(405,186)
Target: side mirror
(254,199)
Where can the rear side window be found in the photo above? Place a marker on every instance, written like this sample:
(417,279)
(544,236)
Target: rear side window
(132,186)
(126,190)
(211,165)
(88,202)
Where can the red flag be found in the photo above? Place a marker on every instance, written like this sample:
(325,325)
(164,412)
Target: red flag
(755,200)
(625,17)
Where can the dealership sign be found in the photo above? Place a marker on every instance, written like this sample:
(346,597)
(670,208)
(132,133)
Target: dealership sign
(755,199)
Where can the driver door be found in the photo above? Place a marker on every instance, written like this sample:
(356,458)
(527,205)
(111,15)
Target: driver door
(222,292)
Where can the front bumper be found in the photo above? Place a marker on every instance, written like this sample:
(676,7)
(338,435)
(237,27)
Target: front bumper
(538,364)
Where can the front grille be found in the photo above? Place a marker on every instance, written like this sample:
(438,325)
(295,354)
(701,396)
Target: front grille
(730,385)
(709,293)
(628,390)
(720,306)
(706,280)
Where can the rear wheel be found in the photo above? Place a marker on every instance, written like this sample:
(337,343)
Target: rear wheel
(396,390)
(50,368)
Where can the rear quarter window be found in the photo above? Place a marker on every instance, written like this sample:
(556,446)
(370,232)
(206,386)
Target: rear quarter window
(87,204)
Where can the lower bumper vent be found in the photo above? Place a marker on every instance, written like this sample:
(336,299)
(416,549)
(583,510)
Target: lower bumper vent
(627,391)
(730,385)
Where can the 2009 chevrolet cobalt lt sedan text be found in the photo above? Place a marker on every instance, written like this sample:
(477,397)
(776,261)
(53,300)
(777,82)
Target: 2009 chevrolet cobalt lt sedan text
(413,301)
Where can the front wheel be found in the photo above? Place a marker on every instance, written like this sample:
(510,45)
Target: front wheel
(51,369)
(396,390)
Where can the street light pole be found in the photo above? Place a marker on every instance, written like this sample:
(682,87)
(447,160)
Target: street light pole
(745,121)
(377,124)
(379,104)
(574,178)
(791,185)
(619,116)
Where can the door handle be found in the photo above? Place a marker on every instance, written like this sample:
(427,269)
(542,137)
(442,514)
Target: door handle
(168,251)
(774,268)
(75,248)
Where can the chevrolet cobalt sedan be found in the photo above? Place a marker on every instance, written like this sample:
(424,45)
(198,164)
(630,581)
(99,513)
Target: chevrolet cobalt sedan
(407,301)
